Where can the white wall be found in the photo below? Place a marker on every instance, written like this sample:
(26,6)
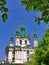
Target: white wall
(35,43)
(20,56)
(17,41)
(11,43)
(10,56)
(28,42)
(24,56)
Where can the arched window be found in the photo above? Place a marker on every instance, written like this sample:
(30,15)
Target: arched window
(20,41)
(25,41)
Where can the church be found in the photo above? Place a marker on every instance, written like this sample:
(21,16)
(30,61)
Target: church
(19,51)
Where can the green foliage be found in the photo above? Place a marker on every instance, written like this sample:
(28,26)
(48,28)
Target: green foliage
(28,63)
(45,39)
(41,55)
(38,5)
(3,10)
(4,17)
(13,64)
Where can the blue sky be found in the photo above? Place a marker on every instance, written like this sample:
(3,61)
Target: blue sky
(16,13)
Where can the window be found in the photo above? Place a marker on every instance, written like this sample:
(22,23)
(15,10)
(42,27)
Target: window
(25,41)
(13,59)
(20,41)
(27,51)
(27,58)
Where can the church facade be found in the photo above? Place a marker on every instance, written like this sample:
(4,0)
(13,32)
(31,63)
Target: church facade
(18,52)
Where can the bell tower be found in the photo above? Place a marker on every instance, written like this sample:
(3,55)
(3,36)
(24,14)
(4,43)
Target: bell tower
(35,39)
(11,40)
(10,49)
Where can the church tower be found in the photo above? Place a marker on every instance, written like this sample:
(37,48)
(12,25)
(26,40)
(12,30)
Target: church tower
(22,41)
(19,52)
(11,40)
(17,40)
(24,36)
(10,50)
(35,39)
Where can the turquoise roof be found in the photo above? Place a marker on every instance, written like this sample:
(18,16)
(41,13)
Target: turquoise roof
(22,33)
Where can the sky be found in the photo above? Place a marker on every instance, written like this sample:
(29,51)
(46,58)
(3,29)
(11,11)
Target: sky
(16,13)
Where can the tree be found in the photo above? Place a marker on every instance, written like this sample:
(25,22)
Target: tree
(3,10)
(28,63)
(41,55)
(38,5)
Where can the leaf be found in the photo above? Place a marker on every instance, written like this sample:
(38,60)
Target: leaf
(4,17)
(38,5)
(3,10)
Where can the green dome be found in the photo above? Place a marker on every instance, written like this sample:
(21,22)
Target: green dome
(23,34)
(17,31)
(11,38)
(22,27)
(27,36)
(35,35)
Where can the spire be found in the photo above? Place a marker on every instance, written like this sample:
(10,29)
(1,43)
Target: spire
(35,35)
(11,38)
(17,30)
(22,27)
